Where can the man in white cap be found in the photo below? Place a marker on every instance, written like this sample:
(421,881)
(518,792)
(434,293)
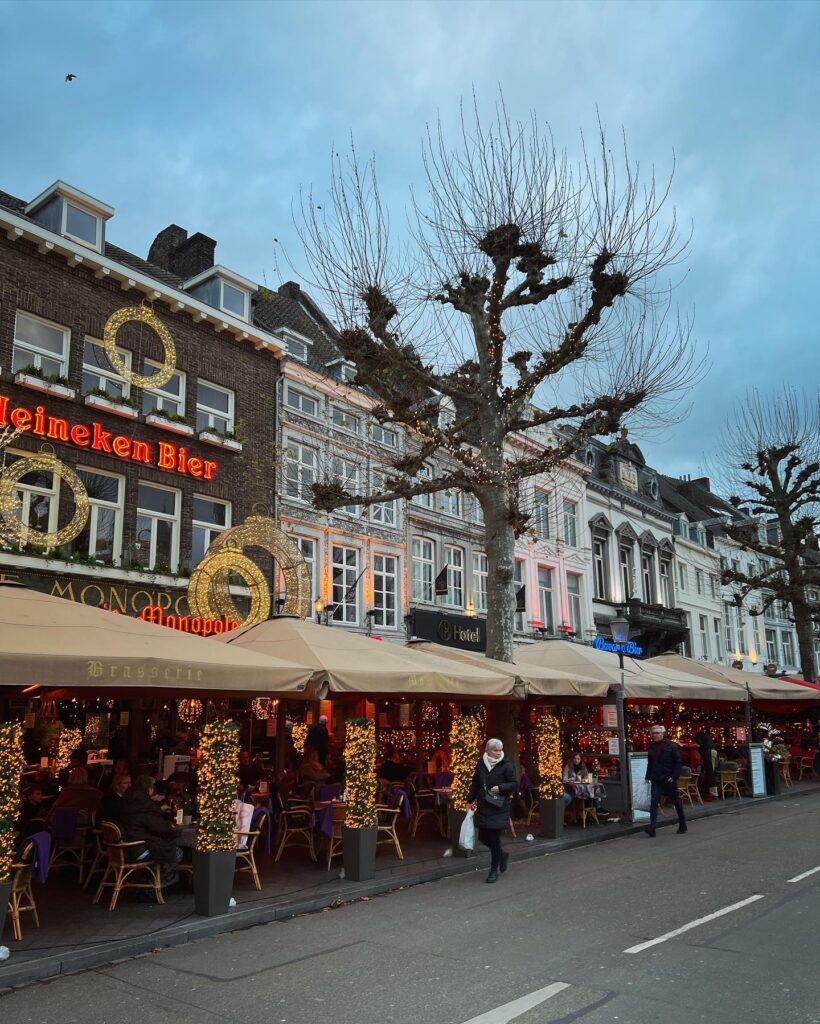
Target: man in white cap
(663,767)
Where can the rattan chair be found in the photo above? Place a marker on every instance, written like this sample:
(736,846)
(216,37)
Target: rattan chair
(98,864)
(727,783)
(531,801)
(72,851)
(21,898)
(295,828)
(245,858)
(119,873)
(387,819)
(423,805)
(805,767)
(334,840)
(785,772)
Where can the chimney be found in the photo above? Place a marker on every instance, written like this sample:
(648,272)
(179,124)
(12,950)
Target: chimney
(164,245)
(290,290)
(702,481)
(193,256)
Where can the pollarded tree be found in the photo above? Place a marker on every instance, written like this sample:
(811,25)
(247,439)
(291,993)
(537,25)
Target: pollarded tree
(525,295)
(770,452)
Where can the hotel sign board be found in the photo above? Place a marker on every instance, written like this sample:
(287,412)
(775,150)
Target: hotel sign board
(466,632)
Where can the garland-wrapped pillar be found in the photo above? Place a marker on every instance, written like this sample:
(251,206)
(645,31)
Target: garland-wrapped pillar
(215,854)
(12,766)
(547,734)
(360,831)
(465,740)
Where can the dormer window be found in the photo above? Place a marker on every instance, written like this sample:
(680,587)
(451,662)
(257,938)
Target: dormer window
(69,212)
(234,300)
(222,288)
(342,370)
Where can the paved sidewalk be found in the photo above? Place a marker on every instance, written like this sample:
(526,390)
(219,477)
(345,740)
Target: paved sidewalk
(76,935)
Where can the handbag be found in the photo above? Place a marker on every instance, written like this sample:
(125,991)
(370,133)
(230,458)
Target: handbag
(494,799)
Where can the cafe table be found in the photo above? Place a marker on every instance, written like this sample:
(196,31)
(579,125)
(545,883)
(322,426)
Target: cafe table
(584,795)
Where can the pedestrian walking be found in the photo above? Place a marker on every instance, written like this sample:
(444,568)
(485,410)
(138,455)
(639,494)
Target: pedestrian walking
(709,763)
(663,767)
(493,785)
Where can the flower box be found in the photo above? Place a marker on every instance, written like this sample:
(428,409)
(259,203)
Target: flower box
(28,380)
(130,412)
(209,437)
(153,420)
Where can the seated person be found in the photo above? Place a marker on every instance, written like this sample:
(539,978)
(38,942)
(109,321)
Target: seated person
(76,762)
(443,758)
(111,805)
(575,770)
(44,778)
(393,769)
(249,773)
(77,795)
(311,770)
(141,818)
(32,815)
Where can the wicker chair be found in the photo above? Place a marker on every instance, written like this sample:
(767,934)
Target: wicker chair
(295,828)
(387,819)
(727,782)
(21,898)
(98,864)
(423,805)
(71,851)
(245,858)
(785,772)
(334,840)
(120,873)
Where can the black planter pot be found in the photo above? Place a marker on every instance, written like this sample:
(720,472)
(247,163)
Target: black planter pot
(551,813)
(773,781)
(213,881)
(456,819)
(5,892)
(359,853)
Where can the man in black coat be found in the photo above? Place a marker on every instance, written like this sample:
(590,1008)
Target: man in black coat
(663,767)
(142,819)
(111,805)
(492,788)
(318,738)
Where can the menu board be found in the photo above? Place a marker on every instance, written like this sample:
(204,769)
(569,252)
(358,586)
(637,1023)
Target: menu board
(637,774)
(757,769)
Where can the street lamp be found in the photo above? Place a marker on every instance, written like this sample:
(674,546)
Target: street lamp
(620,634)
(319,607)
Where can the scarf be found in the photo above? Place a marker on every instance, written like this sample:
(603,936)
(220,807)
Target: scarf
(490,764)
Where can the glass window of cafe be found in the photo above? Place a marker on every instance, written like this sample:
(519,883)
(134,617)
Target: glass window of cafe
(157,528)
(101,537)
(210,518)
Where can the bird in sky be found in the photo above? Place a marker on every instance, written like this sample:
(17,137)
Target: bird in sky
(70,78)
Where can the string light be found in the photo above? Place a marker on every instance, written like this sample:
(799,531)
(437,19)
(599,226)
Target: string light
(93,728)
(45,462)
(465,740)
(189,710)
(218,780)
(145,315)
(70,740)
(263,707)
(12,766)
(360,773)
(547,736)
(299,733)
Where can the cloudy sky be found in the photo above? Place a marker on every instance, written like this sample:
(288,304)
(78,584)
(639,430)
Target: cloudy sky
(212,115)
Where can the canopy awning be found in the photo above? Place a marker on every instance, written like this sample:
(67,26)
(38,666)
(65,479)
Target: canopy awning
(762,687)
(352,663)
(50,641)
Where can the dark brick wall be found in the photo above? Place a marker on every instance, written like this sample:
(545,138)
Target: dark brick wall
(72,297)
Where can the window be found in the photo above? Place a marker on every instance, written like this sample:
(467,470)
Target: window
(300,471)
(570,523)
(648,577)
(771,646)
(518,579)
(101,537)
(599,568)
(718,636)
(682,576)
(383,512)
(37,494)
(301,402)
(345,584)
(424,570)
(297,349)
(454,560)
(699,581)
(307,548)
(170,398)
(476,511)
(741,630)
(574,603)
(81,225)
(210,518)
(627,571)
(214,408)
(41,344)
(446,414)
(667,596)
(704,636)
(234,300)
(545,598)
(788,649)
(97,372)
(480,576)
(383,435)
(451,502)
(423,500)
(713,585)
(384,590)
(346,475)
(345,420)
(727,626)
(541,514)
(157,535)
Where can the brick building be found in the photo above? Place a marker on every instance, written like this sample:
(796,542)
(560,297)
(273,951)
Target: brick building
(165,468)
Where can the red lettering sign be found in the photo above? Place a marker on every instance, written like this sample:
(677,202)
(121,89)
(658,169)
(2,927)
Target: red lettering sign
(188,623)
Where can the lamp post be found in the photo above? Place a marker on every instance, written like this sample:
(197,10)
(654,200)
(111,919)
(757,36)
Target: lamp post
(620,634)
(319,607)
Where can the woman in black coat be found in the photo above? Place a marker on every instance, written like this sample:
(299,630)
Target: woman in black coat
(493,781)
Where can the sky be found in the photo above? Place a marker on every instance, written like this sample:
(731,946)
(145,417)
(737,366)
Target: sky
(213,115)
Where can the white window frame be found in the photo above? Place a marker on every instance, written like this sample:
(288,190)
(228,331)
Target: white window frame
(24,493)
(308,548)
(37,354)
(383,512)
(575,605)
(210,412)
(541,514)
(518,582)
(446,413)
(451,502)
(787,646)
(96,245)
(423,554)
(667,589)
(424,500)
(683,577)
(211,529)
(157,516)
(352,423)
(454,561)
(599,569)
(379,433)
(648,576)
(717,631)
(386,618)
(569,509)
(481,576)
(728,628)
(546,606)
(741,630)
(161,393)
(626,557)
(242,291)
(104,372)
(703,633)
(345,611)
(772,650)
(296,466)
(347,474)
(303,397)
(117,507)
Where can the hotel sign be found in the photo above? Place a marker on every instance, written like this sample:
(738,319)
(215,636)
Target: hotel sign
(463,631)
(164,455)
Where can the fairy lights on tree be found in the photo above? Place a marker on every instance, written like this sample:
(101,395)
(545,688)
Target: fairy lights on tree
(12,766)
(299,733)
(218,778)
(465,739)
(70,740)
(547,735)
(360,773)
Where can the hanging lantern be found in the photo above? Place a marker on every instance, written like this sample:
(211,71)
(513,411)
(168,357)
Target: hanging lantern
(189,710)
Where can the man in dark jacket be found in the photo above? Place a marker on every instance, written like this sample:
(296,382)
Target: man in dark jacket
(318,738)
(492,788)
(663,767)
(111,804)
(142,819)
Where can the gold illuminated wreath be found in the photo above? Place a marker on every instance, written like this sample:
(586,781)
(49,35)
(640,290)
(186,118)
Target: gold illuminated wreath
(144,315)
(10,504)
(209,594)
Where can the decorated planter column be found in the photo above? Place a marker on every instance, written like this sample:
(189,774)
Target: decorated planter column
(551,787)
(12,766)
(360,831)
(215,853)
(465,740)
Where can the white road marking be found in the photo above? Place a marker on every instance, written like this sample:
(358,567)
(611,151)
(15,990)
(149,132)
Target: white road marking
(799,878)
(509,1011)
(692,924)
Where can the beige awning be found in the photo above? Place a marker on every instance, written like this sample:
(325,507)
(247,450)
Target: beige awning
(352,663)
(538,681)
(762,687)
(58,643)
(642,680)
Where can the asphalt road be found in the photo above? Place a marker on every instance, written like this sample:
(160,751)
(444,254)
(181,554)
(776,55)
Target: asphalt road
(548,943)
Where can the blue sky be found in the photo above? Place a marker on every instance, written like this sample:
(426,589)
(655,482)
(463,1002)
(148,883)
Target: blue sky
(212,115)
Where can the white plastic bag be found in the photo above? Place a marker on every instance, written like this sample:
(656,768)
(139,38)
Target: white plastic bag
(466,837)
(642,796)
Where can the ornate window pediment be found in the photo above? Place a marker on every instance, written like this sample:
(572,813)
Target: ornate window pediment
(647,540)
(600,524)
(626,533)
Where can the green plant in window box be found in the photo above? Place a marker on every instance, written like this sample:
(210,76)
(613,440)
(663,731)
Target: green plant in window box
(113,397)
(173,417)
(58,378)
(32,371)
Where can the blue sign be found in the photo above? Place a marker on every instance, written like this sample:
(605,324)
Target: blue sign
(630,647)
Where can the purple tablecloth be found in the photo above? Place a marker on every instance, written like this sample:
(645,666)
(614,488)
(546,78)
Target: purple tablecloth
(405,807)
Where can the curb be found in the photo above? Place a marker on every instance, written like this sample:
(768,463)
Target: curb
(244,916)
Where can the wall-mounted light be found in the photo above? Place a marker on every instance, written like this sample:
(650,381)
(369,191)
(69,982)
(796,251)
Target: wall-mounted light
(470,609)
(318,607)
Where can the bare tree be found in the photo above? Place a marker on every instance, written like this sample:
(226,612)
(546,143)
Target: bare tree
(770,451)
(525,293)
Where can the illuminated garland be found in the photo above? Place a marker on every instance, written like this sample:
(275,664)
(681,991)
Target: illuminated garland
(547,736)
(465,739)
(12,766)
(145,315)
(14,526)
(70,740)
(93,728)
(299,733)
(218,779)
(189,710)
(360,773)
(263,707)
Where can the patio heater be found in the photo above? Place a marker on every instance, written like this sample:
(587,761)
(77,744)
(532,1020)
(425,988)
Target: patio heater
(620,634)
